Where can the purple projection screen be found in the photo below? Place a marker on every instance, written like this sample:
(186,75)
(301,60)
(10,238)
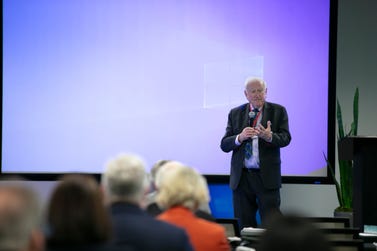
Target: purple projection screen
(86,80)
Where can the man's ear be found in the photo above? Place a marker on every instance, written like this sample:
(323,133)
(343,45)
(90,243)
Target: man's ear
(36,241)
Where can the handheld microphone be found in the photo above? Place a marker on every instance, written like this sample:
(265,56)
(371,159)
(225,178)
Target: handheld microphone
(251,117)
(252,114)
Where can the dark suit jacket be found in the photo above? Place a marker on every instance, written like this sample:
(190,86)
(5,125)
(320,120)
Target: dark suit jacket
(134,227)
(269,153)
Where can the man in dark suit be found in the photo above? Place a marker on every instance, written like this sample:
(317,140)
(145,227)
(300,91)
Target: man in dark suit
(255,133)
(125,183)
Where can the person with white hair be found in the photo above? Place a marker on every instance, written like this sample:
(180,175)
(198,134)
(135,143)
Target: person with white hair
(125,183)
(20,221)
(181,191)
(254,134)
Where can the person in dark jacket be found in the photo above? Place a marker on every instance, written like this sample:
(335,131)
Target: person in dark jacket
(125,184)
(254,134)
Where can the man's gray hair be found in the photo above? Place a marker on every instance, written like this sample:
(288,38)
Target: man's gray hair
(20,215)
(250,80)
(125,179)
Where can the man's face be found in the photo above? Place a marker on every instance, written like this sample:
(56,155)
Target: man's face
(256,94)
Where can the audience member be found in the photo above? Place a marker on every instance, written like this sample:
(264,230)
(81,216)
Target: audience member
(125,184)
(77,218)
(293,234)
(150,201)
(152,207)
(19,219)
(181,191)
(255,133)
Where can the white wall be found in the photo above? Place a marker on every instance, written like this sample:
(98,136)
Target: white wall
(357,61)
(310,200)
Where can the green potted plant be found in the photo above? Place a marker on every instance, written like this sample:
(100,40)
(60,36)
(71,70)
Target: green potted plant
(344,185)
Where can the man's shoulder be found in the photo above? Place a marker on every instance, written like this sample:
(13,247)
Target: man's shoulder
(240,108)
(145,226)
(274,105)
(159,226)
(151,234)
(164,234)
(167,227)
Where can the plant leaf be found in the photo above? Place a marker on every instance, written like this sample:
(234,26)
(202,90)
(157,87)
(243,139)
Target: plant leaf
(340,120)
(344,188)
(345,169)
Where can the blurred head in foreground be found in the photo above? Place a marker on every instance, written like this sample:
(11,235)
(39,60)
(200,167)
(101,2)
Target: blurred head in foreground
(125,179)
(19,219)
(294,234)
(76,213)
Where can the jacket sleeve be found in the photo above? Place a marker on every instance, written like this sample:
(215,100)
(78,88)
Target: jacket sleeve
(228,141)
(281,136)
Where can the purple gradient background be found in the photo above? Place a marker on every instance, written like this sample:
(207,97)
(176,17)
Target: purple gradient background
(86,80)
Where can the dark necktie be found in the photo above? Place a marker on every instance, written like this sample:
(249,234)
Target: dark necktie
(253,121)
(254,117)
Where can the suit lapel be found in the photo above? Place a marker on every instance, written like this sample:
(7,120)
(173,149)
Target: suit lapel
(266,114)
(245,116)
(265,117)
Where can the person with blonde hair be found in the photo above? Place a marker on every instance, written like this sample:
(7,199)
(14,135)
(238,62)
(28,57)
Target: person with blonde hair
(181,191)
(153,208)
(125,184)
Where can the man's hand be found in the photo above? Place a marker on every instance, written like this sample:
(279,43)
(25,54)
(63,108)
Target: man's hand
(247,132)
(265,133)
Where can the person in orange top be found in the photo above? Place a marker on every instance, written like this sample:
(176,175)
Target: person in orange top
(181,190)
